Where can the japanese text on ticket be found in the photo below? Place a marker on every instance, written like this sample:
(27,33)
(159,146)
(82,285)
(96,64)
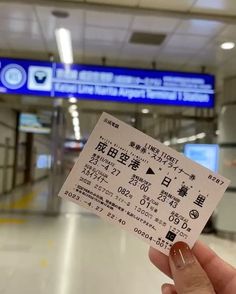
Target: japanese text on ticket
(149,189)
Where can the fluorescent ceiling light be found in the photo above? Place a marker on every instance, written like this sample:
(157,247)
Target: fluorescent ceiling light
(227,45)
(187,139)
(181,140)
(145,110)
(75,121)
(74,113)
(201,135)
(192,138)
(72,108)
(76,128)
(72,100)
(64,45)
(77,135)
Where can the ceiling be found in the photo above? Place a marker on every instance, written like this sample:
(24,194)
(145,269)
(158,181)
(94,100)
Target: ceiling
(194,30)
(102,28)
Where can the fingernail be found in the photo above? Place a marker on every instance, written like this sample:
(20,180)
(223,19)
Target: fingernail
(181,255)
(166,289)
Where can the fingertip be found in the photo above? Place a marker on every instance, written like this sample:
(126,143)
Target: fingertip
(160,260)
(168,289)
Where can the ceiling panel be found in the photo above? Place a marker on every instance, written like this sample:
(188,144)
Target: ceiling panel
(3,41)
(27,43)
(203,59)
(178,51)
(154,24)
(177,60)
(110,20)
(17,11)
(104,34)
(182,5)
(229,33)
(91,59)
(200,27)
(143,52)
(213,55)
(134,63)
(175,55)
(76,15)
(187,41)
(116,2)
(19,26)
(49,23)
(216,6)
(102,49)
(161,65)
(49,32)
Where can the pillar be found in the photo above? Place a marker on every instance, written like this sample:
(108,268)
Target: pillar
(226,215)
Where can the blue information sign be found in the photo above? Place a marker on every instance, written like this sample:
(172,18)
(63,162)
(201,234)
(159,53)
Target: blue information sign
(116,84)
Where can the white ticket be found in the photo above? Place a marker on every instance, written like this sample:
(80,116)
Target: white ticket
(149,189)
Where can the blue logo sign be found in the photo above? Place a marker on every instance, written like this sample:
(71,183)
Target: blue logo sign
(13,76)
(106,83)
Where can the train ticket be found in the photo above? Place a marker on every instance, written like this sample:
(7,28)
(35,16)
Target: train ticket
(145,187)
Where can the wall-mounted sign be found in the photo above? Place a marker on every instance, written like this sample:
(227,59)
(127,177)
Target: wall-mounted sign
(29,77)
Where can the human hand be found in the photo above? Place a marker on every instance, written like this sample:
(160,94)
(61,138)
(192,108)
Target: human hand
(196,271)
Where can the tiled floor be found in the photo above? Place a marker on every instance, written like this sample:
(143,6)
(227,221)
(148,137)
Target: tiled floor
(29,197)
(79,253)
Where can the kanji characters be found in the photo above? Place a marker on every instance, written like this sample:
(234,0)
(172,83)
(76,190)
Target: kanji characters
(192,177)
(166,181)
(112,152)
(101,147)
(200,200)
(123,158)
(135,163)
(183,190)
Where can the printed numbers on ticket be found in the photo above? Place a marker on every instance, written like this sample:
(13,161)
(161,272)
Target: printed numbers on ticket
(149,189)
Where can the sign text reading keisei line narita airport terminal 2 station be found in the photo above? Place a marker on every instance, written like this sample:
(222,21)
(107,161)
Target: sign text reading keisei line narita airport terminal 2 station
(30,77)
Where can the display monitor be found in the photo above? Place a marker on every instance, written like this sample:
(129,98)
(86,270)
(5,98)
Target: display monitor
(204,154)
(31,123)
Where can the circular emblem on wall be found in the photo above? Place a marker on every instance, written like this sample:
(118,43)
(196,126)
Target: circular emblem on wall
(13,76)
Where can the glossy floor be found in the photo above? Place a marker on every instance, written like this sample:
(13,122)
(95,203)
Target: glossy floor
(79,253)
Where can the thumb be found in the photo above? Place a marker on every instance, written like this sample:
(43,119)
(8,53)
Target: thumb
(188,275)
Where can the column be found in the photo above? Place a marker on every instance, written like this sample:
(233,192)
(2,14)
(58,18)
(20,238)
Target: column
(226,214)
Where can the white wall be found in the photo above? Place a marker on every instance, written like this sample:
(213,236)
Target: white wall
(41,146)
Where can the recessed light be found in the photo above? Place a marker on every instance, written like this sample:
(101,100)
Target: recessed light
(227,45)
(72,100)
(145,110)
